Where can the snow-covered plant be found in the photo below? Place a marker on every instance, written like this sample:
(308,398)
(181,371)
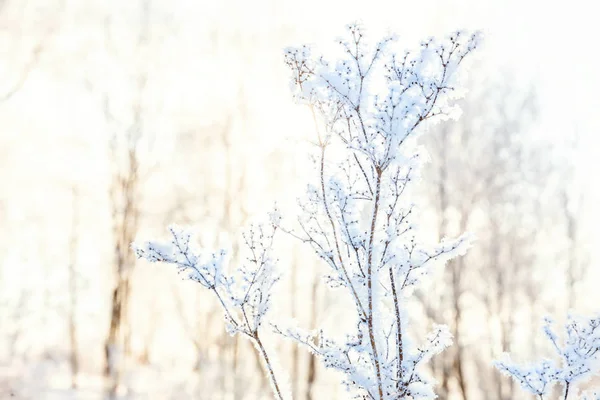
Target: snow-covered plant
(579,359)
(368,103)
(244,294)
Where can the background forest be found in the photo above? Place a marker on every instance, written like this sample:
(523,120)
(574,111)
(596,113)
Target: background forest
(119,118)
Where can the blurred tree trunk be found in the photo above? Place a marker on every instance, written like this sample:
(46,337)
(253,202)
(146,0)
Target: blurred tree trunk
(312,360)
(456,268)
(125,214)
(72,283)
(576,267)
(125,198)
(295,378)
(443,181)
(492,300)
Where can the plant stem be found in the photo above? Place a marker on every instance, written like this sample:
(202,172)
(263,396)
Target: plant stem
(370,284)
(268,366)
(399,348)
(567,384)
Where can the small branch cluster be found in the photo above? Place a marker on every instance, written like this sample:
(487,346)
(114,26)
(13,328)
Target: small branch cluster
(244,294)
(579,359)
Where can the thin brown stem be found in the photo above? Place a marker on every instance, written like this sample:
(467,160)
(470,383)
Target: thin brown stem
(335,238)
(400,355)
(268,366)
(370,284)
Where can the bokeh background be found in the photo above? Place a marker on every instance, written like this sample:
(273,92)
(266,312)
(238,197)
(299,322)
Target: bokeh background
(118,118)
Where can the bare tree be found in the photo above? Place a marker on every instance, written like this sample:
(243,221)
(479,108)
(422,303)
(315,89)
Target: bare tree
(311,375)
(125,213)
(572,205)
(125,198)
(480,164)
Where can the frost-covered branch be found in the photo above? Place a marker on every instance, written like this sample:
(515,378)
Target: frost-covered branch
(368,103)
(579,359)
(244,294)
